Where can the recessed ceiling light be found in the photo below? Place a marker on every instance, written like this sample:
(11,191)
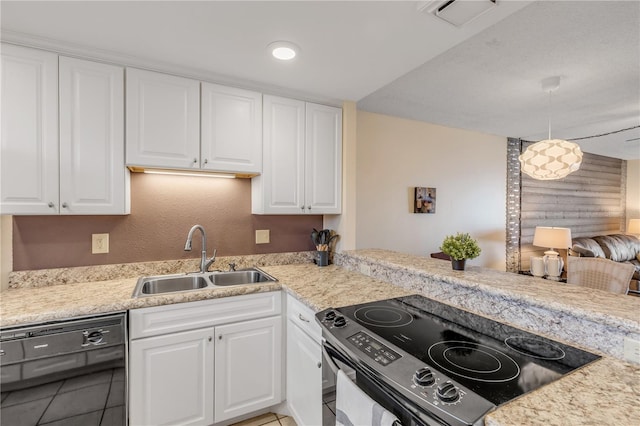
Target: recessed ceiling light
(283,50)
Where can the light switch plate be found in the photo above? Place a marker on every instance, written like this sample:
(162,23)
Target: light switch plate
(262,236)
(99,243)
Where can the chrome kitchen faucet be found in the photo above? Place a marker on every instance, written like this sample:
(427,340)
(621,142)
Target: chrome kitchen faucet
(204,262)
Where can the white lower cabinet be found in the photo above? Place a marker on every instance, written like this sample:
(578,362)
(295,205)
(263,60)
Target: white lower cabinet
(304,364)
(204,362)
(248,365)
(304,377)
(171,379)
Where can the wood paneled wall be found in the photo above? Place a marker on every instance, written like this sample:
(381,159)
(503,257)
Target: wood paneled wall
(590,202)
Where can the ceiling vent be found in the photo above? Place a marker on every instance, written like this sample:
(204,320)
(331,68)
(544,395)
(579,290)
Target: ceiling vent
(457,12)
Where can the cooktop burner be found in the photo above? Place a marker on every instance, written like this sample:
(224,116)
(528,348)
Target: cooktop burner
(535,347)
(474,361)
(383,316)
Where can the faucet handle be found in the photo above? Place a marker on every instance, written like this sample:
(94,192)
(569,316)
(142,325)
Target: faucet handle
(232,267)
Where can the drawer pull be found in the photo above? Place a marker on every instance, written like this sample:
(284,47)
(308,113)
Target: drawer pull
(302,318)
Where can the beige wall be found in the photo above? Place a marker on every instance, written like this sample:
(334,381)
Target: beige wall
(345,224)
(468,170)
(163,209)
(633,190)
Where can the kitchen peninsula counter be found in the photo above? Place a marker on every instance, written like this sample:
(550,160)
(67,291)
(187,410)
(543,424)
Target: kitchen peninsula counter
(604,392)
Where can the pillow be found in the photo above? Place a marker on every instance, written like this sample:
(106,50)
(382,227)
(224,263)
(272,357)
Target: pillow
(589,245)
(582,252)
(618,247)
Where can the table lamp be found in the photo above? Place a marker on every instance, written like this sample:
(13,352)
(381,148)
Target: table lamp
(552,237)
(634,227)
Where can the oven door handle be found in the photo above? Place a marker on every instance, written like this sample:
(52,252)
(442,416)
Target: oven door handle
(330,354)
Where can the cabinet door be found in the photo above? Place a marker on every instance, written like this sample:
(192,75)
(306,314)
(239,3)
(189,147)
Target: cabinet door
(163,120)
(323,159)
(304,376)
(282,181)
(93,177)
(29,163)
(248,358)
(231,134)
(171,379)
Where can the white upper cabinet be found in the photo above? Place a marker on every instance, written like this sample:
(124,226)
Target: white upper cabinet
(231,129)
(62,135)
(323,159)
(302,159)
(93,178)
(163,118)
(179,123)
(29,131)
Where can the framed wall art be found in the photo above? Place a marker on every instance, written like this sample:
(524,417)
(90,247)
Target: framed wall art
(424,200)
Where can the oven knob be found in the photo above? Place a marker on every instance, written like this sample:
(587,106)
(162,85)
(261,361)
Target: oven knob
(329,316)
(447,392)
(424,377)
(339,321)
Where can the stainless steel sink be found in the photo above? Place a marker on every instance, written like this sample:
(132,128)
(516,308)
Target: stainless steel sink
(149,286)
(171,283)
(244,276)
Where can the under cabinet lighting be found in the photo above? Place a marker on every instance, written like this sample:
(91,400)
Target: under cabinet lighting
(178,172)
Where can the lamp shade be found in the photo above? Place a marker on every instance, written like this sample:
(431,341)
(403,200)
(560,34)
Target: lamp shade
(634,227)
(551,237)
(551,159)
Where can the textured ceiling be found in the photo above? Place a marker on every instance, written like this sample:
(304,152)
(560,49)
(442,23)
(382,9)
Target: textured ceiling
(492,82)
(387,56)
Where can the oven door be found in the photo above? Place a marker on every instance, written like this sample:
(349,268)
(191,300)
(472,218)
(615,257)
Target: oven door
(371,384)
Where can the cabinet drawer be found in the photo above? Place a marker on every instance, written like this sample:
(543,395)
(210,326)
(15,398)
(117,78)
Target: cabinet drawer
(304,317)
(159,320)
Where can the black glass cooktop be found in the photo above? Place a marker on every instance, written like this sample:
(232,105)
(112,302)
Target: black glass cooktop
(497,361)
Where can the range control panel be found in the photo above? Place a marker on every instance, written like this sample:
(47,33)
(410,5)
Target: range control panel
(374,349)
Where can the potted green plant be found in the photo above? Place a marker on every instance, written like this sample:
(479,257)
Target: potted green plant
(460,247)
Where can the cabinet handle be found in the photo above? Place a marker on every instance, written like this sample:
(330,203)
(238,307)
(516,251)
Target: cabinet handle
(302,208)
(65,205)
(309,207)
(195,161)
(302,318)
(206,161)
(51,205)
(220,337)
(210,338)
(319,364)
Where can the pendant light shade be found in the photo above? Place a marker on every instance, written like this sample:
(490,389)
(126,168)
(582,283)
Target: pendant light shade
(551,158)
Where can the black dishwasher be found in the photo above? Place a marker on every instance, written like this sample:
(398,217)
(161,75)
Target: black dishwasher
(65,372)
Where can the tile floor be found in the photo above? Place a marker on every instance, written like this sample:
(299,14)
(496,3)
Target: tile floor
(268,419)
(95,399)
(272,419)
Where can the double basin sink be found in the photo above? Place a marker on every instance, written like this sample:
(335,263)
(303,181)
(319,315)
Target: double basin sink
(149,286)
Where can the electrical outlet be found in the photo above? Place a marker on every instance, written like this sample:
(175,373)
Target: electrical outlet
(631,350)
(99,243)
(262,236)
(365,269)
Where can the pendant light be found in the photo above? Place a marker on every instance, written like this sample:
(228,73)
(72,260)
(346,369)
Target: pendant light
(550,159)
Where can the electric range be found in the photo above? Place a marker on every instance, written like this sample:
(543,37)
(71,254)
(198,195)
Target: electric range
(431,363)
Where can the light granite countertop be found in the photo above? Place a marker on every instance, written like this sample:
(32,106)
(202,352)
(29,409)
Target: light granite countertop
(602,393)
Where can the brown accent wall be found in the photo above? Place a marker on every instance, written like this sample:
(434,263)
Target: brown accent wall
(163,209)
